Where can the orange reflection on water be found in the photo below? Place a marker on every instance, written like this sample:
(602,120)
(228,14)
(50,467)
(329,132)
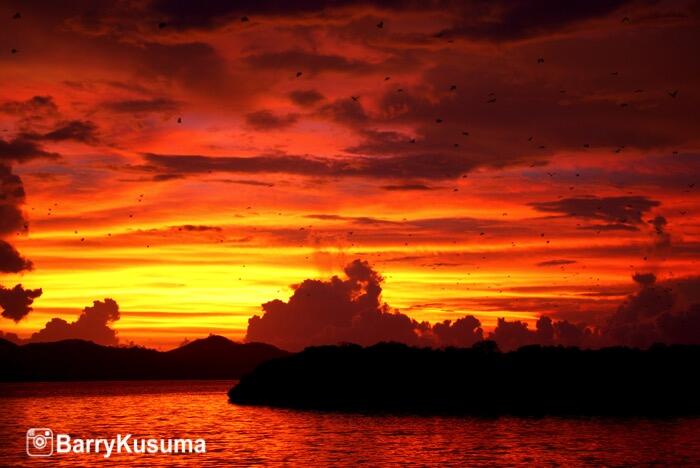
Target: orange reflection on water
(238,435)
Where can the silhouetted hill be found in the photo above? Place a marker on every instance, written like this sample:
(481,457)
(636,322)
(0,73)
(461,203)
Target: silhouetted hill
(214,357)
(480,380)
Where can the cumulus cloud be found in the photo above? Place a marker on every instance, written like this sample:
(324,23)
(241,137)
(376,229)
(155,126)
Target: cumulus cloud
(93,324)
(350,309)
(635,321)
(16,302)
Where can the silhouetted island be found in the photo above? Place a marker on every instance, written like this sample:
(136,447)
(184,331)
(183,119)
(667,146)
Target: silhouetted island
(214,357)
(534,380)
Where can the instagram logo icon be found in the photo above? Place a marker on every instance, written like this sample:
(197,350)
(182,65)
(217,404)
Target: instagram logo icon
(39,442)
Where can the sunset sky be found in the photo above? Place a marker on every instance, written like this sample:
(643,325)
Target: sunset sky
(193,160)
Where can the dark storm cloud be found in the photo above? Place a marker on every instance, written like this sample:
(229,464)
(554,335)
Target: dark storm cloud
(557,262)
(418,166)
(141,106)
(498,20)
(624,212)
(11,261)
(16,302)
(12,221)
(11,197)
(507,20)
(407,187)
(256,183)
(380,142)
(77,130)
(306,62)
(350,310)
(36,106)
(22,149)
(188,14)
(345,111)
(609,227)
(306,98)
(266,120)
(196,228)
(361,220)
(93,324)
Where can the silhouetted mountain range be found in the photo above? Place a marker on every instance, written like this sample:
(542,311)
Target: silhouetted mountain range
(214,357)
(481,380)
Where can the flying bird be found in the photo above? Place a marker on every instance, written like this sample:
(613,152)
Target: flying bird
(380,25)
(673,93)
(161,25)
(453,88)
(299,74)
(16,16)
(491,100)
(179,120)
(540,60)
(244,19)
(355,98)
(14,51)
(438,120)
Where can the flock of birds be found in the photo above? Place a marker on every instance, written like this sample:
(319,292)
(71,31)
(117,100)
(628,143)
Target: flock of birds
(490,99)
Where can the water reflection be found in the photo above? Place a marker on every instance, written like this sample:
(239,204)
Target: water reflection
(238,435)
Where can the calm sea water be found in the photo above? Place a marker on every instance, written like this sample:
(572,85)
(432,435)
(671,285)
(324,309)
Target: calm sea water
(238,435)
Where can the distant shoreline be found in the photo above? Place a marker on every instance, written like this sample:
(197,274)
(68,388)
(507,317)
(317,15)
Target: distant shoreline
(212,358)
(533,381)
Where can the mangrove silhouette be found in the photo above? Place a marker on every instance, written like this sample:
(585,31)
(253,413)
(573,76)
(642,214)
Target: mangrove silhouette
(214,357)
(534,380)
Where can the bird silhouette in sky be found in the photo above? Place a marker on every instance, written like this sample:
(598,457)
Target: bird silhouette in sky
(16,16)
(673,93)
(299,74)
(380,25)
(244,19)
